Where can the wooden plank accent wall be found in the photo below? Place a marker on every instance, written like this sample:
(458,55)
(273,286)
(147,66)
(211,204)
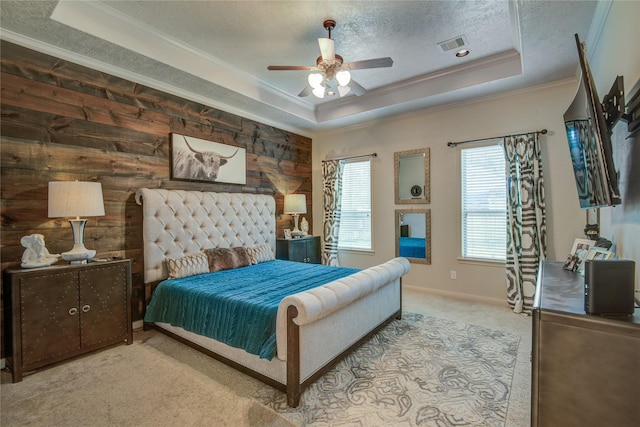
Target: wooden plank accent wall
(61,121)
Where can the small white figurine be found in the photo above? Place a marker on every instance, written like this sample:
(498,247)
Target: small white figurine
(304,226)
(36,254)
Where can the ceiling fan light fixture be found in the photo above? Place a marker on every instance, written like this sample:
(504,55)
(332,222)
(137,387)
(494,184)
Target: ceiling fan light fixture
(319,92)
(343,77)
(331,66)
(315,80)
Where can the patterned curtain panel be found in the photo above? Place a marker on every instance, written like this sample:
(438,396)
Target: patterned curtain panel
(332,194)
(526,227)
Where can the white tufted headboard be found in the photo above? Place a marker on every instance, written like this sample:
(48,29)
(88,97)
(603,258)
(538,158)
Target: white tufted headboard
(178,222)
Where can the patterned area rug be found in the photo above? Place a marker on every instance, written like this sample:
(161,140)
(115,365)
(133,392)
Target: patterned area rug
(418,371)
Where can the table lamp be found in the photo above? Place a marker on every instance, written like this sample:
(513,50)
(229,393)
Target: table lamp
(76,199)
(295,204)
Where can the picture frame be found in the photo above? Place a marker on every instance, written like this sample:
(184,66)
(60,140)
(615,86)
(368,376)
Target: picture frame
(287,233)
(578,253)
(596,253)
(195,159)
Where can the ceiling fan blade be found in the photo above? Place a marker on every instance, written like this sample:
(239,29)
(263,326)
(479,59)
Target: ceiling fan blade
(356,88)
(368,63)
(327,49)
(290,67)
(306,91)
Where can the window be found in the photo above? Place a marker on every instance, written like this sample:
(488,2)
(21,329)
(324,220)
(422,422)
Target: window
(355,219)
(484,203)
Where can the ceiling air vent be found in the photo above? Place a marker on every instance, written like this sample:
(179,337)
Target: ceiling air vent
(454,43)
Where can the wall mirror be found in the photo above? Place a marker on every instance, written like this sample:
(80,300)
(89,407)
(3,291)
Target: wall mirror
(411,172)
(413,235)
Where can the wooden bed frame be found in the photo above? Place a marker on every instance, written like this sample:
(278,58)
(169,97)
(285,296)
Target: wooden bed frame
(180,222)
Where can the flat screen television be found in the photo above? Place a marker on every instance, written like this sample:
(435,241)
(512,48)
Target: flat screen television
(590,143)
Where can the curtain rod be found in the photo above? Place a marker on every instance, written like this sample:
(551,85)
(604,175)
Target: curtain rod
(352,157)
(453,144)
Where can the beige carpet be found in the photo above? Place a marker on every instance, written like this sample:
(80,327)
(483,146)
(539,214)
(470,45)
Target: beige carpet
(159,382)
(136,385)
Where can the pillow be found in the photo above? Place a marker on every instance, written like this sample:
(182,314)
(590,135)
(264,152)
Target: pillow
(227,258)
(260,254)
(188,265)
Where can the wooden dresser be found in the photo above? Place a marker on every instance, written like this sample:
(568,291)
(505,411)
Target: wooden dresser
(62,311)
(586,369)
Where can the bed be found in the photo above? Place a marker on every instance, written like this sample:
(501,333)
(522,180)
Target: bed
(412,247)
(314,328)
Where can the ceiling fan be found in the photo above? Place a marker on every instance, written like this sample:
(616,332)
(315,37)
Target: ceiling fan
(331,73)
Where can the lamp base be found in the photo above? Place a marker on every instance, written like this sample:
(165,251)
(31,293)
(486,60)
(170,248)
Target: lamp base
(296,231)
(78,254)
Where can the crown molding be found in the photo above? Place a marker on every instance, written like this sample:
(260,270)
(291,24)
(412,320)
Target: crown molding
(122,73)
(499,66)
(106,23)
(450,106)
(597,26)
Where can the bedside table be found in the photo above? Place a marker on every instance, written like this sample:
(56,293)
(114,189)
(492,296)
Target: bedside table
(58,312)
(304,249)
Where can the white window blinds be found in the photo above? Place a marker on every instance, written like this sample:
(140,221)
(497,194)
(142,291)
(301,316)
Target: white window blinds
(484,203)
(355,220)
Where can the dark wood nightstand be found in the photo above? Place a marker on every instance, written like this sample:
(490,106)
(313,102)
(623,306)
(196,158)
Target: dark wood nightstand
(304,249)
(58,312)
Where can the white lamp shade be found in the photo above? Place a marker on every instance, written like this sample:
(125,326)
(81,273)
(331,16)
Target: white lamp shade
(295,204)
(315,80)
(319,92)
(343,77)
(75,199)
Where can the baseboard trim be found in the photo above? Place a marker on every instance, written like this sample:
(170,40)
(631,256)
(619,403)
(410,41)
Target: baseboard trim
(457,295)
(138,324)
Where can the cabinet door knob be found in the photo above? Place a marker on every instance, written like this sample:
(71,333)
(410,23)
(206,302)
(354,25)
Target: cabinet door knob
(73,311)
(86,308)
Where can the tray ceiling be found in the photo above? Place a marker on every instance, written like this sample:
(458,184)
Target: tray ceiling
(217,52)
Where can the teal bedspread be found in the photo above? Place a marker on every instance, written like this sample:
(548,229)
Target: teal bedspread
(237,307)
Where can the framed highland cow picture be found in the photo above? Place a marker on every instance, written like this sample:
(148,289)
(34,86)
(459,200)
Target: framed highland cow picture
(195,159)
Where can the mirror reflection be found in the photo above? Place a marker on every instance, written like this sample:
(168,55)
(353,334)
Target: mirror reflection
(413,235)
(412,176)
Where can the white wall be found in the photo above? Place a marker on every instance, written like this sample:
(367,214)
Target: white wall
(534,109)
(616,52)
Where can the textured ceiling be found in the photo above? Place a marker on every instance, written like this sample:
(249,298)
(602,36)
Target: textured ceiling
(217,52)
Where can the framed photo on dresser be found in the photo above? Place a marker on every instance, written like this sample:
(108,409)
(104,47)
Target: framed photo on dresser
(578,253)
